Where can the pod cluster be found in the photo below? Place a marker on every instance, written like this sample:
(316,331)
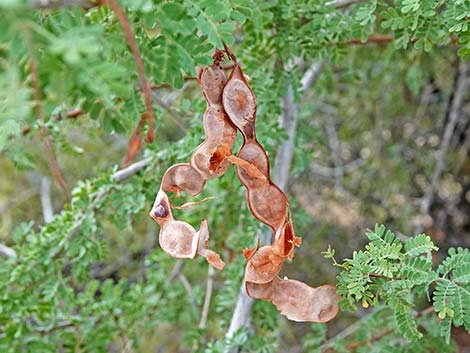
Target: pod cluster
(231,106)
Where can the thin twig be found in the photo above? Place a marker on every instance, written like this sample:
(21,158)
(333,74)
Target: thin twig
(461,86)
(173,115)
(56,4)
(335,147)
(189,290)
(328,172)
(100,194)
(46,202)
(424,102)
(340,3)
(61,326)
(349,330)
(7,251)
(176,270)
(207,298)
(373,39)
(385,39)
(130,170)
(48,144)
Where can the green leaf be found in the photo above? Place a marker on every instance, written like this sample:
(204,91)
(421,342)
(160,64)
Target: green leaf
(418,245)
(406,324)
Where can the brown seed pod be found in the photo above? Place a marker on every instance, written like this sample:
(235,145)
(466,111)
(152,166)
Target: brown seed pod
(218,128)
(231,105)
(179,239)
(183,177)
(294,299)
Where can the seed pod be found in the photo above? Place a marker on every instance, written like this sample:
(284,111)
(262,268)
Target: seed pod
(231,105)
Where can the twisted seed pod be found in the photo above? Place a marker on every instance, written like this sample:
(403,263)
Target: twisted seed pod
(220,132)
(296,300)
(183,177)
(231,103)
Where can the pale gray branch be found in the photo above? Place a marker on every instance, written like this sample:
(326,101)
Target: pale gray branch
(461,86)
(335,147)
(331,172)
(7,251)
(187,287)
(46,202)
(340,3)
(310,76)
(207,299)
(129,171)
(55,4)
(241,313)
(285,151)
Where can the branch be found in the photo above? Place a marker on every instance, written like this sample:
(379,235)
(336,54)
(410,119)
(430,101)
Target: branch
(310,76)
(118,176)
(7,251)
(288,122)
(373,39)
(328,172)
(48,144)
(340,3)
(173,115)
(385,39)
(130,170)
(56,4)
(59,327)
(207,299)
(349,330)
(187,287)
(143,81)
(46,203)
(461,86)
(335,147)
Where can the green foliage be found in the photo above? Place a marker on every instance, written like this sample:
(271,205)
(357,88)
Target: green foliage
(396,275)
(91,281)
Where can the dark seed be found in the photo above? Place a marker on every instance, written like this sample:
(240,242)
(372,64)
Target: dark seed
(160,211)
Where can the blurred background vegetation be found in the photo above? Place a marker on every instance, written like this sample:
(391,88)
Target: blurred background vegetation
(370,147)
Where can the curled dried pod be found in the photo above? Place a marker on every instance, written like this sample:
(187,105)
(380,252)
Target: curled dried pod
(297,300)
(240,103)
(264,265)
(218,128)
(179,239)
(183,177)
(300,302)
